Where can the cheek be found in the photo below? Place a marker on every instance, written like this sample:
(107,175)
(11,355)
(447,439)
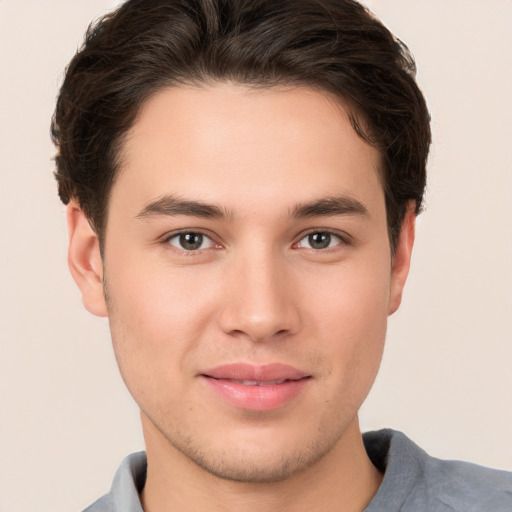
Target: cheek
(157,318)
(352,299)
(352,319)
(160,300)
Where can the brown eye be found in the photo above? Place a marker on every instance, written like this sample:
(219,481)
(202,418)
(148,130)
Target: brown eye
(320,240)
(190,241)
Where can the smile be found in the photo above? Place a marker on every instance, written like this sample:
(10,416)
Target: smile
(258,382)
(256,388)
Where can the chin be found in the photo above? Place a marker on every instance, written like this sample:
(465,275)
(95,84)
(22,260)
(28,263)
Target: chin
(261,455)
(250,468)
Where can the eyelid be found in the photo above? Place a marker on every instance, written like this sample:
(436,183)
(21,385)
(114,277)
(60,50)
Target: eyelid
(165,239)
(344,238)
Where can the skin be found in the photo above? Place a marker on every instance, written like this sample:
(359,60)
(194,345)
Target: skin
(256,291)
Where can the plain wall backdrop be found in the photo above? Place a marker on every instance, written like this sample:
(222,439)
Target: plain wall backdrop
(66,420)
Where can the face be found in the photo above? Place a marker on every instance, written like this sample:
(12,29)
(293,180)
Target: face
(248,275)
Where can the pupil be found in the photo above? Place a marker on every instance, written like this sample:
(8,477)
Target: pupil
(319,240)
(191,241)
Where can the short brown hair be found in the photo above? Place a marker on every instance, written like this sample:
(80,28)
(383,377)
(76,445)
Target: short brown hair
(336,46)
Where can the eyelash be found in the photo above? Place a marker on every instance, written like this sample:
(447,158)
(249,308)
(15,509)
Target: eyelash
(189,252)
(342,239)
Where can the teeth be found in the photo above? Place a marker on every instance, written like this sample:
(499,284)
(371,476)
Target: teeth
(258,383)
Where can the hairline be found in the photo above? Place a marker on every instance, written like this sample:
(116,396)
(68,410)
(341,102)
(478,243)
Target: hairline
(343,104)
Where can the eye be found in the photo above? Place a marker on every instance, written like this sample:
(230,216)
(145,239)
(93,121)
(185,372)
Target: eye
(320,240)
(190,241)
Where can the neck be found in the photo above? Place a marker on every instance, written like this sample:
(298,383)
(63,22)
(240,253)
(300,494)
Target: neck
(344,480)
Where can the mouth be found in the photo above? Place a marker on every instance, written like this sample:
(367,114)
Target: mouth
(252,374)
(256,387)
(258,382)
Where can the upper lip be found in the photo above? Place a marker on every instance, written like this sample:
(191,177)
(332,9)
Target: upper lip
(254,372)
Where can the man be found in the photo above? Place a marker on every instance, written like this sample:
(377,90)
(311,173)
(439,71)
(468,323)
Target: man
(242,180)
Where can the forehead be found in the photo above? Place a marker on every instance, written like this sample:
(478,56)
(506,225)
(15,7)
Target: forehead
(238,146)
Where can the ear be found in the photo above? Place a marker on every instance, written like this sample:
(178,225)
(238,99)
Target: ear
(84,260)
(402,258)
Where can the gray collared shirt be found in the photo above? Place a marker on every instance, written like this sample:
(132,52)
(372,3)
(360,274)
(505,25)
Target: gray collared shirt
(413,481)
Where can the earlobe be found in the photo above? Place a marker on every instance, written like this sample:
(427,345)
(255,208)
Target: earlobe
(402,259)
(85,261)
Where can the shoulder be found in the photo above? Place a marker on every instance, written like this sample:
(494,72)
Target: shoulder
(124,493)
(466,487)
(103,504)
(415,481)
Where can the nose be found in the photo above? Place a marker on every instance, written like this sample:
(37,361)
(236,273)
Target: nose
(260,303)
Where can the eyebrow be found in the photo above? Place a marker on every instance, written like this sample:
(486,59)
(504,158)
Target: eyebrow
(172,206)
(169,205)
(330,206)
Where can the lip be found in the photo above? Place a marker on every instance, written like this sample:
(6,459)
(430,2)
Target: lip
(256,387)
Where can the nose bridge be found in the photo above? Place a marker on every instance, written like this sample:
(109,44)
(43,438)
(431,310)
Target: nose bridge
(259,295)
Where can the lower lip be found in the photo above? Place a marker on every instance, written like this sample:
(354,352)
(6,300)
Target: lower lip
(257,398)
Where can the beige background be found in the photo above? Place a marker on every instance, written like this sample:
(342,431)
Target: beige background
(66,420)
